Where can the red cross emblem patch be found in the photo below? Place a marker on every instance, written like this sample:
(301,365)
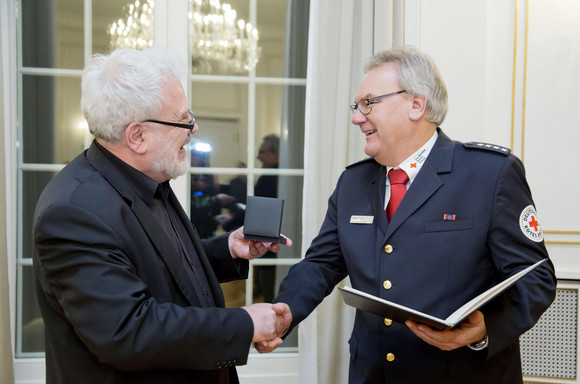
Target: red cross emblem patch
(530,225)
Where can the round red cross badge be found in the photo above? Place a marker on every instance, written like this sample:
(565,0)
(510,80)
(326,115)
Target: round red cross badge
(530,225)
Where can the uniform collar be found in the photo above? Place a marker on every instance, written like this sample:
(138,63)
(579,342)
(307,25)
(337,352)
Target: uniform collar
(413,163)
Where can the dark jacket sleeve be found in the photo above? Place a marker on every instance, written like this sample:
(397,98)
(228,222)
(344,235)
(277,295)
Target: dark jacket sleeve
(521,306)
(311,280)
(225,267)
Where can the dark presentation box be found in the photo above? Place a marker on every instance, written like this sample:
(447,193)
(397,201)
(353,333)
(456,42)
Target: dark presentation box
(263,219)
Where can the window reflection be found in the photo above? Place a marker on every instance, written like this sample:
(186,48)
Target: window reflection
(215,201)
(222,115)
(280,111)
(283,27)
(221,112)
(218,204)
(107,13)
(30,336)
(222,41)
(49,33)
(268,155)
(271,23)
(33,183)
(54,129)
(290,190)
(32,333)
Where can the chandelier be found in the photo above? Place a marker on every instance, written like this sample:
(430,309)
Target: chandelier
(220,43)
(136,29)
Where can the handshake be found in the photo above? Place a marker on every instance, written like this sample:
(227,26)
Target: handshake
(271,321)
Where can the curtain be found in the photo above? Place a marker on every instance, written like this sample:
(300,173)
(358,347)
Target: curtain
(341,39)
(6,361)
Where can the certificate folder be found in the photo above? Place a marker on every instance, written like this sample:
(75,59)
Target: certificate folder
(263,219)
(400,313)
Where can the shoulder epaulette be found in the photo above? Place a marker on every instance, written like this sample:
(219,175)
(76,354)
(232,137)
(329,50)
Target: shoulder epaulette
(487,147)
(360,162)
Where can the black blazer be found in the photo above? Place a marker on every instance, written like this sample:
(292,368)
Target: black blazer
(116,302)
(434,265)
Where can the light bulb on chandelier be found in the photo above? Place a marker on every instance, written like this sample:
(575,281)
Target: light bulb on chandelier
(220,43)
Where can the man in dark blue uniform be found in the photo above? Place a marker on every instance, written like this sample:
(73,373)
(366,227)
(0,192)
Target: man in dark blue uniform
(467,221)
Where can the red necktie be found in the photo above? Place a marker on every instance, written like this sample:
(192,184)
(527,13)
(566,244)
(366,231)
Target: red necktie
(398,179)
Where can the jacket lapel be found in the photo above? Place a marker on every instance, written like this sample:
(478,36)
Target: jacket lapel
(426,183)
(165,249)
(207,268)
(376,195)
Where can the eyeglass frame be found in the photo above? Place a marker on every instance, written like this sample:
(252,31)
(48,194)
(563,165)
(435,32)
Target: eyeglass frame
(178,125)
(354,107)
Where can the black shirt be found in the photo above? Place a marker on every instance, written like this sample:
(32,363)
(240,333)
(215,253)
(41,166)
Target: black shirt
(156,196)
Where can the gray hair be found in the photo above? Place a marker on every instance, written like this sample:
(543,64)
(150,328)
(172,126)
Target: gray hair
(418,75)
(125,86)
(273,142)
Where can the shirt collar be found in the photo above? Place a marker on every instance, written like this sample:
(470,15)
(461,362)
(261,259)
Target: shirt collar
(413,163)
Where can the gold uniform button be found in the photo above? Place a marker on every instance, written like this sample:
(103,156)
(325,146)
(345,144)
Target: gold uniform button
(388,322)
(390,357)
(387,284)
(388,248)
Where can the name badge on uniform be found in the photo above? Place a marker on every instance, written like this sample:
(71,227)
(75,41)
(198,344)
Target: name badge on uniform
(358,219)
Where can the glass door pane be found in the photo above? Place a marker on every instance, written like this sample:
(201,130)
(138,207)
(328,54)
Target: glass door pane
(122,23)
(52,33)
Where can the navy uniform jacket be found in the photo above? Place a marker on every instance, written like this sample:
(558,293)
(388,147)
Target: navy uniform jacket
(117,304)
(434,265)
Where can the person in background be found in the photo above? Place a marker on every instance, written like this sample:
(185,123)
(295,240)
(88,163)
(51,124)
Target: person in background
(127,290)
(428,223)
(268,153)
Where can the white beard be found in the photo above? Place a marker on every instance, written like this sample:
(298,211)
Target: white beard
(169,164)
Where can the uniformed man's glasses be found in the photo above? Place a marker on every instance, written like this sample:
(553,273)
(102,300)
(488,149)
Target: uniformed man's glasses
(179,125)
(365,106)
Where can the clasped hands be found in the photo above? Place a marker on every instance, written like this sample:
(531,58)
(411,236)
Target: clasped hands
(271,321)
